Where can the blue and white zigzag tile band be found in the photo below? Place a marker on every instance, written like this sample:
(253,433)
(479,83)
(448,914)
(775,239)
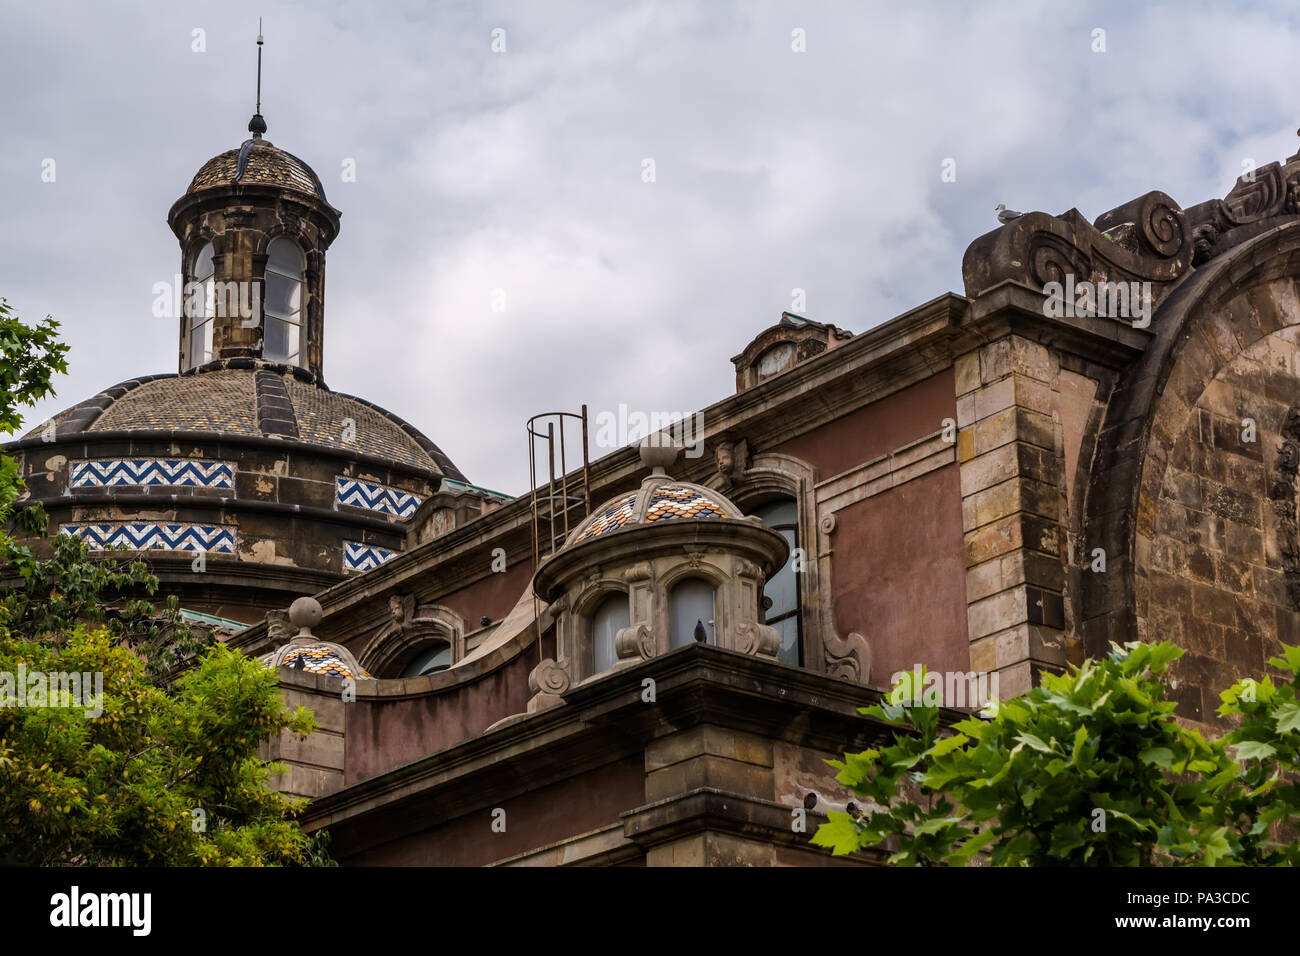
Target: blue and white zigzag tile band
(376,497)
(191,472)
(155,536)
(363,557)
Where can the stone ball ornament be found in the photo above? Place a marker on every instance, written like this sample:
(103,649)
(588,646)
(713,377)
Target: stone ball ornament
(305,613)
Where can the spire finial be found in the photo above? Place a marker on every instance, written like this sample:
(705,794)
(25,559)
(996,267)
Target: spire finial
(257,125)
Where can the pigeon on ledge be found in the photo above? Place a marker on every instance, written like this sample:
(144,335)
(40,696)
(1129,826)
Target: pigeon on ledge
(701,634)
(1005,215)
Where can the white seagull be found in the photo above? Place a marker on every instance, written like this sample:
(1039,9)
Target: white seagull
(1004,214)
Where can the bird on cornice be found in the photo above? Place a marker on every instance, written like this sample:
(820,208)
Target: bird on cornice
(701,634)
(1005,215)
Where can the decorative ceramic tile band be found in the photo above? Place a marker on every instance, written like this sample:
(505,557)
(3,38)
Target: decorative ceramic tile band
(363,557)
(611,519)
(155,536)
(376,497)
(676,501)
(190,472)
(320,659)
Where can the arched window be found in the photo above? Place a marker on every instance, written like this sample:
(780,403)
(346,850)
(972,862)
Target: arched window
(282,308)
(200,308)
(782,516)
(435,658)
(691,613)
(610,618)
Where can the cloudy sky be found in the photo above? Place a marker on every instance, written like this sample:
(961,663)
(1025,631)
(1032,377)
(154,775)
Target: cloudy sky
(522,171)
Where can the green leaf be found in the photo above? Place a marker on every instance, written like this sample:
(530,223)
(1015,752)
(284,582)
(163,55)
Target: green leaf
(1035,742)
(1254,750)
(1288,717)
(948,744)
(1159,756)
(840,833)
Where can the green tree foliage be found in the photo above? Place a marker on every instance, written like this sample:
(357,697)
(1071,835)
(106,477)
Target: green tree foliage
(1089,769)
(163,768)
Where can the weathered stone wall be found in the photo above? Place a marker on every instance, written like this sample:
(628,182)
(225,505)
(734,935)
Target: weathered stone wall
(1213,579)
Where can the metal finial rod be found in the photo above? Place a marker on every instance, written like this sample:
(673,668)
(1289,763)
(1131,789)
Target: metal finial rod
(259,65)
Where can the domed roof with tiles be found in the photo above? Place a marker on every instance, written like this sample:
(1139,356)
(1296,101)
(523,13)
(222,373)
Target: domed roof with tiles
(659,499)
(258,163)
(323,658)
(232,397)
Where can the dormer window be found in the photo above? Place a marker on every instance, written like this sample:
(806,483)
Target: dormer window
(775,360)
(283,305)
(200,309)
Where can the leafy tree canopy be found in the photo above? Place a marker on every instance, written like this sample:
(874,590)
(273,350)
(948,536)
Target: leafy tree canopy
(1089,769)
(125,763)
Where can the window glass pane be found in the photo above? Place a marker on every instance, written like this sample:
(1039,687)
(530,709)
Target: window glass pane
(782,588)
(779,512)
(275,343)
(690,609)
(283,256)
(283,296)
(201,343)
(610,618)
(202,268)
(789,631)
(436,658)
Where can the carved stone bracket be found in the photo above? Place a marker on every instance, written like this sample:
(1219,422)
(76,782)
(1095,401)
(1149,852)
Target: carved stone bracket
(549,681)
(848,657)
(759,640)
(635,644)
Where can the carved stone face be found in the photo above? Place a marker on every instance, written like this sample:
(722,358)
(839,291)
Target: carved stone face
(395,608)
(725,459)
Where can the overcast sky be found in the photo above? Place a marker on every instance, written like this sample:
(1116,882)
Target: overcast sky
(522,171)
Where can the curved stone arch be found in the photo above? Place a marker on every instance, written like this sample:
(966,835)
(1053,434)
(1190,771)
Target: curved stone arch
(594,592)
(1221,311)
(777,474)
(573,635)
(419,627)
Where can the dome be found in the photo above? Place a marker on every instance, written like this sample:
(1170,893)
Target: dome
(329,660)
(306,652)
(659,498)
(255,399)
(258,163)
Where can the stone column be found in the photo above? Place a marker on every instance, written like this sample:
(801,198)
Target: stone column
(1010,450)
